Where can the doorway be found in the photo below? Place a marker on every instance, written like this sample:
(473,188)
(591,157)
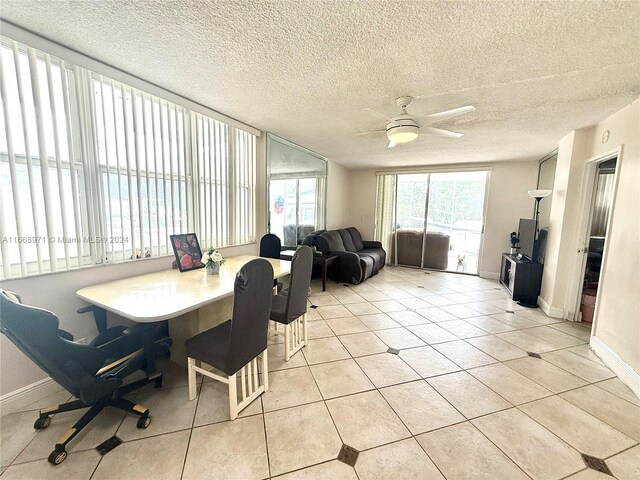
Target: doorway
(599,213)
(439,220)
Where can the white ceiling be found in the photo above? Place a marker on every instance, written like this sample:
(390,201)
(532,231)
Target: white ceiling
(308,70)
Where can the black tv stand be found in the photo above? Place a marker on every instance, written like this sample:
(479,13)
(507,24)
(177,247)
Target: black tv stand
(522,278)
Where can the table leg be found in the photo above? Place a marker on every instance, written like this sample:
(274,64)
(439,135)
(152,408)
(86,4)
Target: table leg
(324,276)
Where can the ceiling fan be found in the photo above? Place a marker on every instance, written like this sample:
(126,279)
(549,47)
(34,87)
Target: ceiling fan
(403,128)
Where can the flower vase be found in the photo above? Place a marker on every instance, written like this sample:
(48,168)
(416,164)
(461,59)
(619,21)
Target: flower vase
(213,269)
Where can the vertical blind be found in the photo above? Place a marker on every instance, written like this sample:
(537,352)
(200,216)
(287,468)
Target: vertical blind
(95,171)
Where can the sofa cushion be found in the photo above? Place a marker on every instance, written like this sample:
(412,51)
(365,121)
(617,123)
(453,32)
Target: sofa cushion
(368,267)
(379,256)
(330,241)
(356,238)
(311,239)
(346,240)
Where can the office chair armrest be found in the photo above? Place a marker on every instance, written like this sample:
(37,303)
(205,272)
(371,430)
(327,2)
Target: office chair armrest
(99,315)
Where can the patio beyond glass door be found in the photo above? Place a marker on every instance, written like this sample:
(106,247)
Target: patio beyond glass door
(293,209)
(439,220)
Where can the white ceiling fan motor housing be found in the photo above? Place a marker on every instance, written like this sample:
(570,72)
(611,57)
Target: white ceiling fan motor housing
(402,129)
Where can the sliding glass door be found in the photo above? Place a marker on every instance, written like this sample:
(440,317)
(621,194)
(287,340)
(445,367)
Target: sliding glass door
(439,220)
(456,209)
(293,208)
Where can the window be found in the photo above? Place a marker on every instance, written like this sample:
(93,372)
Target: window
(142,167)
(95,171)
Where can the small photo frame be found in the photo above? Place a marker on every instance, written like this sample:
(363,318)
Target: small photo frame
(187,251)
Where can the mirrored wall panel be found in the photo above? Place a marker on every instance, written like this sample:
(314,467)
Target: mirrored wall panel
(297,190)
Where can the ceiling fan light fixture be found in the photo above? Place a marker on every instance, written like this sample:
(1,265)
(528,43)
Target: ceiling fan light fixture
(402,130)
(409,135)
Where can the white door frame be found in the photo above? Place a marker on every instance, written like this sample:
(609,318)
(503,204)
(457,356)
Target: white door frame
(585,210)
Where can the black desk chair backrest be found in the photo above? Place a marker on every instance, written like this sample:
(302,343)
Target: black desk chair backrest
(299,282)
(36,333)
(252,293)
(270,246)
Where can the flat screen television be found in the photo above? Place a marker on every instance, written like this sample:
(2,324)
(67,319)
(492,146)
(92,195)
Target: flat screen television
(527,235)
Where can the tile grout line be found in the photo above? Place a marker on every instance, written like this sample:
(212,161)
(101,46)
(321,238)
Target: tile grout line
(375,286)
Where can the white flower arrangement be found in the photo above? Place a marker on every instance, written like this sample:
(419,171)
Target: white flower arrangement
(212,256)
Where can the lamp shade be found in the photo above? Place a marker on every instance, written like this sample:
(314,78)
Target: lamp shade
(402,130)
(539,193)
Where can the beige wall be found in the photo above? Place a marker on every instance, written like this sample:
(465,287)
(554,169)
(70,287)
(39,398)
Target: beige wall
(362,201)
(507,202)
(617,321)
(562,218)
(337,196)
(618,310)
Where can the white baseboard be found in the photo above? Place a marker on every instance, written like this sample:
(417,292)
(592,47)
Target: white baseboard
(14,401)
(552,312)
(628,375)
(490,275)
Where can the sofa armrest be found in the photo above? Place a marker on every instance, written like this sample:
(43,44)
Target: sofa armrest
(350,269)
(371,244)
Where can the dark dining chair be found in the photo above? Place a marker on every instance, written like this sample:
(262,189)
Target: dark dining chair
(92,373)
(233,347)
(270,246)
(290,308)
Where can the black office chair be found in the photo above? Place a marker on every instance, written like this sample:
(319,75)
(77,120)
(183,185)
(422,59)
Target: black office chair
(290,308)
(93,373)
(270,246)
(234,346)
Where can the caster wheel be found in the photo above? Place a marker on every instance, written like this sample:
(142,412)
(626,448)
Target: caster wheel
(56,457)
(143,422)
(157,383)
(42,423)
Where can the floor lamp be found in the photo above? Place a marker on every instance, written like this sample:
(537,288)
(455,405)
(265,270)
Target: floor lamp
(538,195)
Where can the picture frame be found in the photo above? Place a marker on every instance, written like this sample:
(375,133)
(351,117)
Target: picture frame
(187,251)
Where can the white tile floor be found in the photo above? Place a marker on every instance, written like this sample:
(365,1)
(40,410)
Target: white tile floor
(460,400)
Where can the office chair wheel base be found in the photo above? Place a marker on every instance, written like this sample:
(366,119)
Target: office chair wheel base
(57,457)
(42,423)
(143,422)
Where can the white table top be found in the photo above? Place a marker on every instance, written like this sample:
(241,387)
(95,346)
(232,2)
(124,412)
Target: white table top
(170,293)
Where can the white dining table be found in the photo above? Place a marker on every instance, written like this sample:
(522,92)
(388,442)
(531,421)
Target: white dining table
(191,301)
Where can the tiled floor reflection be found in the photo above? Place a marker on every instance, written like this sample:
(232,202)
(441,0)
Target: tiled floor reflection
(426,376)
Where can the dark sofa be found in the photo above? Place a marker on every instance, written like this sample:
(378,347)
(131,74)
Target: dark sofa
(358,259)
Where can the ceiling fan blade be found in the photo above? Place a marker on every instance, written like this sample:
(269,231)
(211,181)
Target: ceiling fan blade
(375,113)
(438,117)
(439,132)
(372,132)
(391,144)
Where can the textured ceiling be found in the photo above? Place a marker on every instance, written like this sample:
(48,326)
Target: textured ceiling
(309,70)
